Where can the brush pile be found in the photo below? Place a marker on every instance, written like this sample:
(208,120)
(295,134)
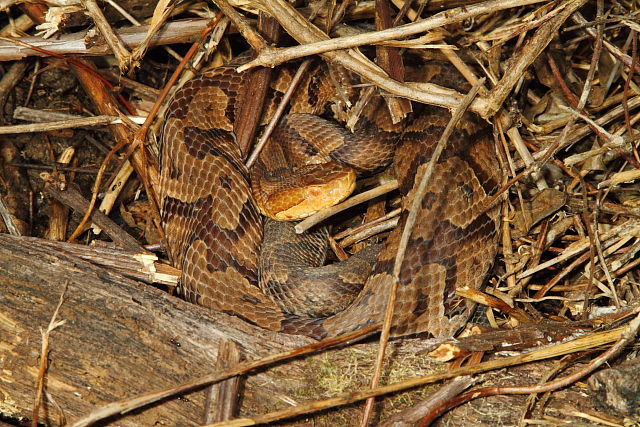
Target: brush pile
(82,95)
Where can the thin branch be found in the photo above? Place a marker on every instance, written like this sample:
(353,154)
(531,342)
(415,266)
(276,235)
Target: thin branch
(83,43)
(66,124)
(364,231)
(255,40)
(320,216)
(117,46)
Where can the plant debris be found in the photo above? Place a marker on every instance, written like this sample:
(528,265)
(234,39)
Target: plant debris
(558,80)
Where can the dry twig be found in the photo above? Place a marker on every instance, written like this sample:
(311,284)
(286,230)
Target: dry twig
(44,361)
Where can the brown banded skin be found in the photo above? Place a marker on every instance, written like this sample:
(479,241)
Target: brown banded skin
(215,232)
(292,272)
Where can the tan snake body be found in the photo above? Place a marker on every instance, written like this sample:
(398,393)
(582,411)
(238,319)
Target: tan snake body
(214,230)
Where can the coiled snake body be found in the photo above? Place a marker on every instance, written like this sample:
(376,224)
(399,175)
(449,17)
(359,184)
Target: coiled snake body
(215,231)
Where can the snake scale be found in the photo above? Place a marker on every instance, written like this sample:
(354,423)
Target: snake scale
(215,232)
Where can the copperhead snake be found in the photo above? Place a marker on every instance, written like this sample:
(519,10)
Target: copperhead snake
(215,232)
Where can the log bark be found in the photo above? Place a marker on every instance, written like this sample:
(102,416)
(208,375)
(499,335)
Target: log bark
(617,389)
(121,338)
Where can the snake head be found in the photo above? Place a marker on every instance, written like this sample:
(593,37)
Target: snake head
(310,188)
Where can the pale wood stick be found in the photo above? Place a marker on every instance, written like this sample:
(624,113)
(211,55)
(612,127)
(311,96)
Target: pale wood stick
(117,46)
(64,124)
(82,43)
(320,216)
(272,57)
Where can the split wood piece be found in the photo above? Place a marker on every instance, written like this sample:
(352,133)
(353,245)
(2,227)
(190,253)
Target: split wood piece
(71,197)
(88,44)
(390,61)
(252,102)
(9,80)
(222,398)
(122,338)
(134,264)
(58,213)
(277,114)
(14,180)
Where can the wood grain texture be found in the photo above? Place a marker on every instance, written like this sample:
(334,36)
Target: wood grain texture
(121,338)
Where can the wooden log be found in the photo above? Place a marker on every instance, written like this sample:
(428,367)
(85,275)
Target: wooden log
(617,389)
(223,397)
(121,338)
